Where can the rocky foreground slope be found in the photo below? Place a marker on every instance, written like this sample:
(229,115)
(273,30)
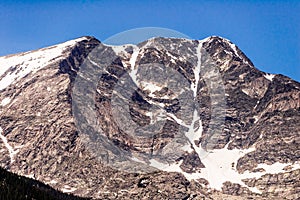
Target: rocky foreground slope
(164,119)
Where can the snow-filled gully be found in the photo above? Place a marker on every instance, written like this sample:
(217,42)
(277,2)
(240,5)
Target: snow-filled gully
(10,149)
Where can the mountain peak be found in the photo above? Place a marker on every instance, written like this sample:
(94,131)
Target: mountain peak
(217,46)
(155,106)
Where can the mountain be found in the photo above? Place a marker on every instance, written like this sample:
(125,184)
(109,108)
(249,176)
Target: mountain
(168,118)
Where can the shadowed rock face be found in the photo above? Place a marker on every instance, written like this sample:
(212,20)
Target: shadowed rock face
(239,109)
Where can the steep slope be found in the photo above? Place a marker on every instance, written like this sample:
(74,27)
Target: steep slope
(167,118)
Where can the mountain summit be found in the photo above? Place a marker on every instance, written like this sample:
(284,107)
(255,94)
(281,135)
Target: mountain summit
(164,119)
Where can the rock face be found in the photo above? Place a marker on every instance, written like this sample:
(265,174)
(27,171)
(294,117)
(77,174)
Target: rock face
(164,119)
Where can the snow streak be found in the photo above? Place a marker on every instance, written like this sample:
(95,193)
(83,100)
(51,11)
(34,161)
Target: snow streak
(10,149)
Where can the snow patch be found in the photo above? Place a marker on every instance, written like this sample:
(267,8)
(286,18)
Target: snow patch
(137,160)
(234,48)
(256,104)
(256,118)
(32,176)
(119,49)
(187,148)
(274,168)
(179,121)
(68,189)
(245,91)
(242,76)
(173,58)
(18,66)
(151,87)
(5,101)
(220,166)
(174,167)
(296,166)
(269,76)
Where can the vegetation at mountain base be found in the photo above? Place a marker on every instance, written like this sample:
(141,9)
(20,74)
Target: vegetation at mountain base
(15,187)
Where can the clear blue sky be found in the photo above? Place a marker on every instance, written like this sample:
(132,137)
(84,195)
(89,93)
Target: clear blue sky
(268,32)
